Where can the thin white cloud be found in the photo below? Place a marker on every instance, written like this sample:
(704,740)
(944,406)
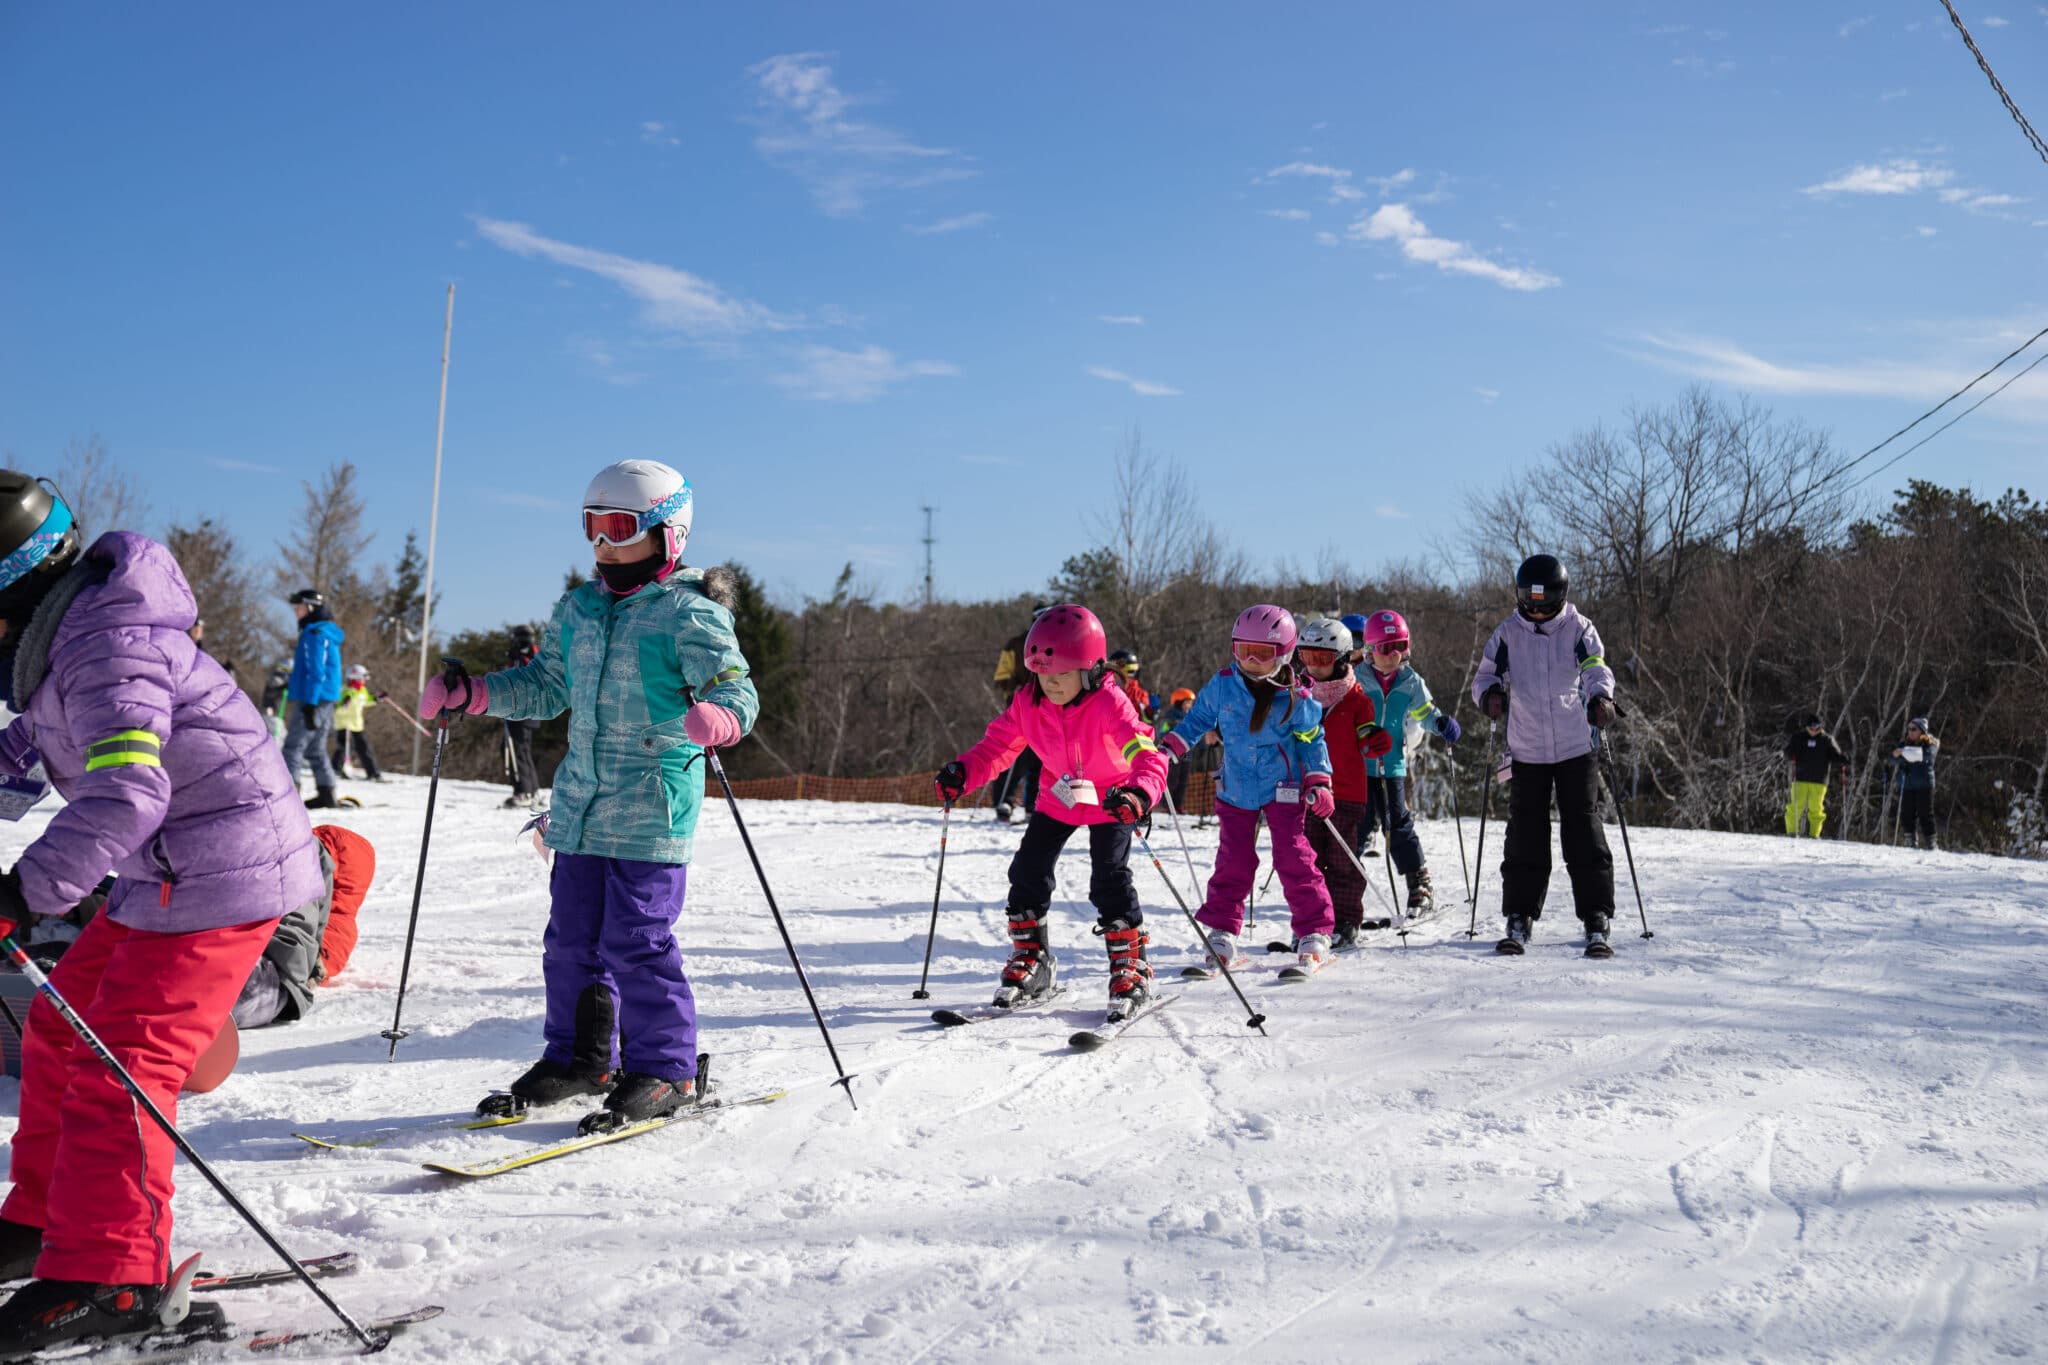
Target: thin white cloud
(1486,396)
(830,375)
(240,466)
(1919,381)
(1121,319)
(1397,223)
(1326,239)
(1664,31)
(1924,231)
(1888,96)
(1994,21)
(603,362)
(1290,215)
(808,130)
(656,134)
(1850,27)
(1898,176)
(1144,388)
(671,299)
(1390,512)
(1700,66)
(958,223)
(1335,178)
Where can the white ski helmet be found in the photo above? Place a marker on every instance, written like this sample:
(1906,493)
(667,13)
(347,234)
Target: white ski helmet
(1326,633)
(652,491)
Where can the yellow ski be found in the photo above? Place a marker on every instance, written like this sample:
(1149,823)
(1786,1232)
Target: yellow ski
(378,1137)
(521,1160)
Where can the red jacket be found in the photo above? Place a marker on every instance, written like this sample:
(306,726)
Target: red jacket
(1344,726)
(355,864)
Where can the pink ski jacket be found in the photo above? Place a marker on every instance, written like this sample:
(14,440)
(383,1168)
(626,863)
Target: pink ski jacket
(1099,737)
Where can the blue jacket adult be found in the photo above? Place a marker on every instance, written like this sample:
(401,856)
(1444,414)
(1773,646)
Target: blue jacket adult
(316,663)
(1405,698)
(1551,670)
(1256,764)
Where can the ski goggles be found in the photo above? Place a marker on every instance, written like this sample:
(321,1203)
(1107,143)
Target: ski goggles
(610,526)
(1317,658)
(1391,647)
(1255,651)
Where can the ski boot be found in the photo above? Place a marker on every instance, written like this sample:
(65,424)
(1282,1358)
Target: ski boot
(1596,938)
(47,1314)
(1031,970)
(322,799)
(1312,952)
(1130,975)
(1348,937)
(20,1246)
(1421,897)
(1517,939)
(1004,810)
(1224,951)
(547,1081)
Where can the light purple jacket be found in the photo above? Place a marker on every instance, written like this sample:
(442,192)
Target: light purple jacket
(1550,669)
(182,795)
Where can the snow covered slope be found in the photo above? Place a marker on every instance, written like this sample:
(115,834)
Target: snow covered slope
(1808,1121)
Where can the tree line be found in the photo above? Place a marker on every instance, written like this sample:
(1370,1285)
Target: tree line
(1737,575)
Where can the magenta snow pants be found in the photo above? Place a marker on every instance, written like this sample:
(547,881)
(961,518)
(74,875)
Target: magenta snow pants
(1237,866)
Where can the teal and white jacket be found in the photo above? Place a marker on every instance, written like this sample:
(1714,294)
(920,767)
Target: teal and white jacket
(1405,698)
(626,669)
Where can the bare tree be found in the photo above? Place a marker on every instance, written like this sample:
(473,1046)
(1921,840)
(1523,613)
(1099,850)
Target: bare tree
(240,632)
(99,492)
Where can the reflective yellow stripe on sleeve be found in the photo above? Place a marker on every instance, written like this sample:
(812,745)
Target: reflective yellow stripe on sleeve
(125,747)
(1590,660)
(1138,746)
(730,675)
(1309,735)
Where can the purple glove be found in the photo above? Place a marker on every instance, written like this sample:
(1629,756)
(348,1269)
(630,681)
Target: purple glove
(469,694)
(1448,728)
(1322,802)
(712,726)
(1175,746)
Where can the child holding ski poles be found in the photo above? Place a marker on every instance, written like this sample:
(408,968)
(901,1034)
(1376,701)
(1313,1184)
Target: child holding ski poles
(1275,763)
(1400,695)
(1562,692)
(169,777)
(1102,771)
(349,735)
(1352,736)
(645,661)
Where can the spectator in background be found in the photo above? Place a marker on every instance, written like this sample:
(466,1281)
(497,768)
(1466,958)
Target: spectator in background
(198,634)
(276,691)
(350,738)
(1124,663)
(315,686)
(519,733)
(1813,755)
(1914,763)
(1018,786)
(1175,712)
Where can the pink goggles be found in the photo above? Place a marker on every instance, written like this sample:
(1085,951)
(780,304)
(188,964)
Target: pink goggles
(1254,651)
(612,527)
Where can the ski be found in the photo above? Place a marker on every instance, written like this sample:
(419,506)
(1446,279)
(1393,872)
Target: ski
(1088,1040)
(1600,951)
(207,1334)
(319,1267)
(957,1018)
(1208,971)
(1289,976)
(377,1137)
(519,1161)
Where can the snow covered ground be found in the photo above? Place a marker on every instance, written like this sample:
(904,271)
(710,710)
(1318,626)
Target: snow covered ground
(1808,1121)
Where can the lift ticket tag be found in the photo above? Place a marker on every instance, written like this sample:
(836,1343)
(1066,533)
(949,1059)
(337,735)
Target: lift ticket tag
(19,795)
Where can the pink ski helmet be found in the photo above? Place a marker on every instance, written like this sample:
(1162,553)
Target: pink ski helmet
(1063,638)
(1267,625)
(1385,627)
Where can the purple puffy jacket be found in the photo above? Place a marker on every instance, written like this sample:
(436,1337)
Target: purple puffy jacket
(171,778)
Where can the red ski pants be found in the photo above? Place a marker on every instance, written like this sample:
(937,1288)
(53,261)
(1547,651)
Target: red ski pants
(90,1167)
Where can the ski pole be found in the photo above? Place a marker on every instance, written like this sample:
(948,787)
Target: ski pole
(372,1342)
(1458,823)
(1253,1018)
(845,1081)
(945,823)
(1387,853)
(1397,915)
(1614,790)
(451,672)
(1485,808)
(1194,882)
(410,718)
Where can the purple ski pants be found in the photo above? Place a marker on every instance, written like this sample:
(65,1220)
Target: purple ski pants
(611,924)
(1237,866)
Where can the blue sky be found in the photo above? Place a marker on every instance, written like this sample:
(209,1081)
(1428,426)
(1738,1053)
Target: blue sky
(1343,262)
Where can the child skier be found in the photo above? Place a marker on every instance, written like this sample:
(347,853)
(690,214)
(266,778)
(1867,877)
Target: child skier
(1105,773)
(1353,737)
(1399,694)
(1275,762)
(645,661)
(169,775)
(1550,656)
(349,735)
(1813,756)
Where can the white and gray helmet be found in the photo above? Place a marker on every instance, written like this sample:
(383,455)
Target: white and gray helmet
(1326,633)
(653,492)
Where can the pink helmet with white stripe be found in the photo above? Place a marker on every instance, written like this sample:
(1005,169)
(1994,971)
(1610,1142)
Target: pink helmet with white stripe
(1266,624)
(1385,627)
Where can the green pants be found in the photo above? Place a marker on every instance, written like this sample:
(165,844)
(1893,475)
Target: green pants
(1812,797)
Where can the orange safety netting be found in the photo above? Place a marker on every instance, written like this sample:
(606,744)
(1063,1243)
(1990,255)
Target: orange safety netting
(915,789)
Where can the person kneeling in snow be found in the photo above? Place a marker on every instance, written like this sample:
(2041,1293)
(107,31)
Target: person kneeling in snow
(313,943)
(645,661)
(170,777)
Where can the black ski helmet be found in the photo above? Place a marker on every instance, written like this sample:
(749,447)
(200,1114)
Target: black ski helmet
(1541,586)
(1124,661)
(307,597)
(523,635)
(38,541)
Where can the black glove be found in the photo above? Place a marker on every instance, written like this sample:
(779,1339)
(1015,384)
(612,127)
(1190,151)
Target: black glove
(952,781)
(309,716)
(1601,712)
(1126,805)
(1494,702)
(13,908)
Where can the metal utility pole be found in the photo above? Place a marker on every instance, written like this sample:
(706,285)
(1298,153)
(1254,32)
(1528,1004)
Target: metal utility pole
(929,541)
(433,520)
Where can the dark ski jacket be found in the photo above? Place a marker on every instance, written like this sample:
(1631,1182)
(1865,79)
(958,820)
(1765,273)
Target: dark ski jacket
(1813,757)
(1917,776)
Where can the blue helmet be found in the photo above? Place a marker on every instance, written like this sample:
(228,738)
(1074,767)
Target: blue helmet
(1355,623)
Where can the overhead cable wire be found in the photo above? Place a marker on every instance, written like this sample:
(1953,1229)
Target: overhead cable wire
(1949,423)
(2040,147)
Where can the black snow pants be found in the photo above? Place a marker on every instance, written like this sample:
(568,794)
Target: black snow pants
(1525,862)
